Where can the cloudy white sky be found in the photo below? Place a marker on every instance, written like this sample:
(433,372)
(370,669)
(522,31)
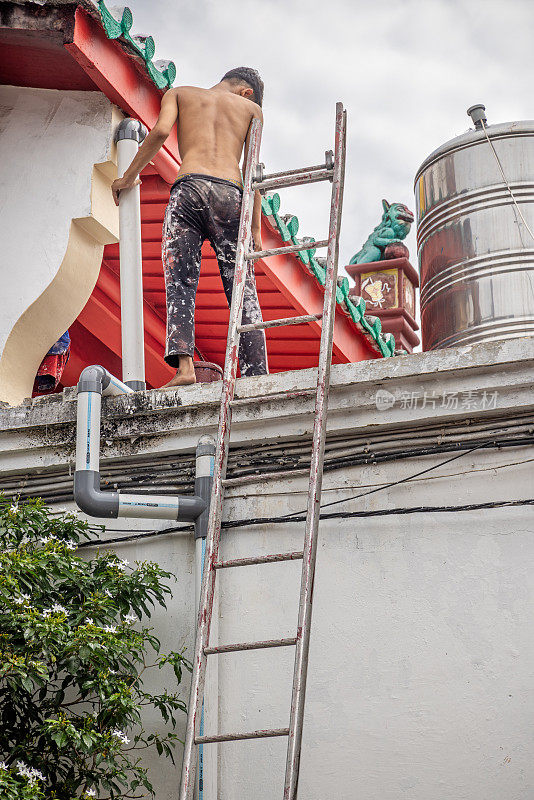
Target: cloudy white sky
(406,70)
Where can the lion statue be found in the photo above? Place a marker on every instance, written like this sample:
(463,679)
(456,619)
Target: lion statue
(386,239)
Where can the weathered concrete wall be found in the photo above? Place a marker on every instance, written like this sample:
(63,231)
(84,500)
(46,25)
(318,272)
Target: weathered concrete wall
(56,214)
(422,646)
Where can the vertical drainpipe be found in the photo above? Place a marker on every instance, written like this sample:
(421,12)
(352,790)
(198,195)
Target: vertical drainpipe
(128,137)
(205,462)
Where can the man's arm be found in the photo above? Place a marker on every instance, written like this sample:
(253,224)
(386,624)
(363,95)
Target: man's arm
(167,117)
(256,211)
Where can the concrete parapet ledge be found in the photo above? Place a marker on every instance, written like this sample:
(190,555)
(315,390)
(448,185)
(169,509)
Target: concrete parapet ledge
(162,422)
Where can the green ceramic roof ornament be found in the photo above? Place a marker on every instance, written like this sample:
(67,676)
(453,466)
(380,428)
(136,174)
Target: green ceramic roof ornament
(386,239)
(288,226)
(117,22)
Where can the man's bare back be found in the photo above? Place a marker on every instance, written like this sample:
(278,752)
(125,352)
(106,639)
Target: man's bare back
(212,129)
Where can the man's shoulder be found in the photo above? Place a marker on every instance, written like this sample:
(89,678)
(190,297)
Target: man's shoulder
(182,90)
(253,108)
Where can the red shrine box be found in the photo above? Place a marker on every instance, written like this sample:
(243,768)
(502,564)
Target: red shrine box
(388,288)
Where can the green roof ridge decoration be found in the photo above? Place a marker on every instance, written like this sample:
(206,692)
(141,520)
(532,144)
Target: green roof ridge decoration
(288,226)
(162,72)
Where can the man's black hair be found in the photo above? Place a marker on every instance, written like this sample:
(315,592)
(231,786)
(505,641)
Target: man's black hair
(249,76)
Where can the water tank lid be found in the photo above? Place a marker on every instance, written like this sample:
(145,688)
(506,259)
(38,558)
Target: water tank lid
(471,137)
(477,114)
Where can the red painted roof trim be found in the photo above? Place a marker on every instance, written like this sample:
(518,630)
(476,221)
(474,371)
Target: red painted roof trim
(118,78)
(305,293)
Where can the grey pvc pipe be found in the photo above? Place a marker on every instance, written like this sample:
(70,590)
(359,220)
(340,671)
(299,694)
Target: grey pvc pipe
(204,467)
(95,381)
(129,135)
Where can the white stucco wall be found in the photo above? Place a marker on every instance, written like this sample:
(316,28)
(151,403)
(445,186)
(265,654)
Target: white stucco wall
(49,143)
(422,653)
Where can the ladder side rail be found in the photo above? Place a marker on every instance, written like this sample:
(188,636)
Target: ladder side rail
(221,458)
(316,468)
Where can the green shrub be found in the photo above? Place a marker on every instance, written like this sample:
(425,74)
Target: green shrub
(73,655)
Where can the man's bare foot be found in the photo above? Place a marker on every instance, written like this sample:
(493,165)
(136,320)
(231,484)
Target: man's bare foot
(185,374)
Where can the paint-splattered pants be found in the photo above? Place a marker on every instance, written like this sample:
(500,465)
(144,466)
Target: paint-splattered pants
(201,207)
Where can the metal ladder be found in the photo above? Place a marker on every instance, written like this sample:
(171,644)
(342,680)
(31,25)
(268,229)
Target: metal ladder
(333,170)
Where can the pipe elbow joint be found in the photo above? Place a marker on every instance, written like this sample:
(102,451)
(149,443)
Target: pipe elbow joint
(130,128)
(93,379)
(90,499)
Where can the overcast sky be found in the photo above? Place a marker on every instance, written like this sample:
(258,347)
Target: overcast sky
(406,70)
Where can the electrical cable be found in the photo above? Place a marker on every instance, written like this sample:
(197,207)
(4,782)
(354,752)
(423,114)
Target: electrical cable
(489,468)
(297,516)
(373,458)
(382,512)
(393,483)
(386,512)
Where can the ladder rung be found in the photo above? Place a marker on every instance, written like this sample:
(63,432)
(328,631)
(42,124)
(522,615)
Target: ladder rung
(246,562)
(236,648)
(298,171)
(293,180)
(279,251)
(234,737)
(279,323)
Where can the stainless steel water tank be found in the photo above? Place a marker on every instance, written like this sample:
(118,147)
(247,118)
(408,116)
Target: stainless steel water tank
(476,255)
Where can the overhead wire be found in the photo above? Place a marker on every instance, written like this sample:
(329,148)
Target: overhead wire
(505,179)
(382,512)
(372,458)
(299,516)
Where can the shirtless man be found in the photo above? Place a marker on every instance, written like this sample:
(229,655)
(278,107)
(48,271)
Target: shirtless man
(205,203)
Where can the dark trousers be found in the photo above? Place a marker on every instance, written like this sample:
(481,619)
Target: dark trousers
(201,207)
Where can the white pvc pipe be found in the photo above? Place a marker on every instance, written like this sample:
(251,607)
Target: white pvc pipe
(116,387)
(152,506)
(88,431)
(131,279)
(87,492)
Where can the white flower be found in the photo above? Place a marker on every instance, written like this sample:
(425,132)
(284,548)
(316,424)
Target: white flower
(122,563)
(110,629)
(90,792)
(71,545)
(58,609)
(3,765)
(89,621)
(47,612)
(14,508)
(130,618)
(121,735)
(108,593)
(44,539)
(28,772)
(22,599)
